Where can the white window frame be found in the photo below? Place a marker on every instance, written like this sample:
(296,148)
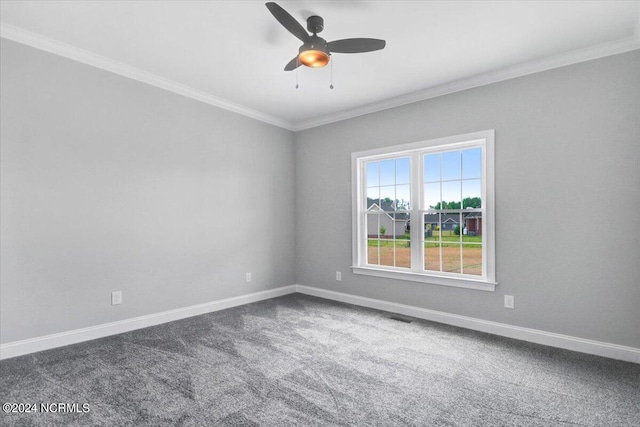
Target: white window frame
(484,139)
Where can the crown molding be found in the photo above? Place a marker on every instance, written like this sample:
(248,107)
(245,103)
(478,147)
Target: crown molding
(556,61)
(38,41)
(41,42)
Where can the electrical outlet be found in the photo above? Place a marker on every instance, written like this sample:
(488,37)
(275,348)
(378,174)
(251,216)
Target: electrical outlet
(248,276)
(509,301)
(338,276)
(116,297)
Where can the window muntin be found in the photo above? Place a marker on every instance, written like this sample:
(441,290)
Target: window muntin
(424,212)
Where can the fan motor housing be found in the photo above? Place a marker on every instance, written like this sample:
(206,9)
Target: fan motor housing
(316,43)
(315,24)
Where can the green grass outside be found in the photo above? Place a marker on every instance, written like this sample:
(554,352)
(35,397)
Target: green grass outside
(431,242)
(450,236)
(389,243)
(467,239)
(427,244)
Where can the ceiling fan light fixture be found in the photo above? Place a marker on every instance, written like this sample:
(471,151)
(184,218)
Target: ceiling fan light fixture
(315,51)
(313,58)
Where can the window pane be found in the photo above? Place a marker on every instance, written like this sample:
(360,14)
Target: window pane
(432,241)
(403,254)
(451,165)
(472,259)
(403,172)
(387,196)
(387,172)
(473,227)
(373,196)
(472,163)
(391,226)
(373,251)
(402,246)
(432,227)
(451,258)
(471,193)
(472,244)
(448,224)
(432,256)
(451,195)
(403,197)
(373,225)
(387,252)
(432,168)
(373,236)
(400,225)
(373,178)
(432,196)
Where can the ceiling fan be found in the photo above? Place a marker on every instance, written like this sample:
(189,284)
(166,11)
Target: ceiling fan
(315,51)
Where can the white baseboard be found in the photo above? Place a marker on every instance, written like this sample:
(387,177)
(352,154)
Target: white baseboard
(598,348)
(32,345)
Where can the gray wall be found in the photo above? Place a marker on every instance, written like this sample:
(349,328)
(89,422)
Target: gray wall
(111,184)
(567,198)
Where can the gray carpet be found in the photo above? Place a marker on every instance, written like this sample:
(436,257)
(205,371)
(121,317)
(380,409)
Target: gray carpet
(300,360)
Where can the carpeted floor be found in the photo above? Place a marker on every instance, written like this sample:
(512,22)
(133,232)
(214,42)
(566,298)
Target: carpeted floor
(300,360)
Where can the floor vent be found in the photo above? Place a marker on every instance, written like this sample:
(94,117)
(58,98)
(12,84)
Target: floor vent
(403,319)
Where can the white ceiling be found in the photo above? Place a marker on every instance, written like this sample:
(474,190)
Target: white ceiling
(232,53)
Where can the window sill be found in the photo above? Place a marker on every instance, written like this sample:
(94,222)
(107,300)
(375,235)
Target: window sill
(479,285)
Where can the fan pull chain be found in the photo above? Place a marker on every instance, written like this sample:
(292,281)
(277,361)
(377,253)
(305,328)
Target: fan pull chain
(331,84)
(297,68)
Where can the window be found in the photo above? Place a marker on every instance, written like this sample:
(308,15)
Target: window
(424,212)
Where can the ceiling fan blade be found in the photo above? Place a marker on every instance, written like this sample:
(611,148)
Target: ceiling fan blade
(292,65)
(355,45)
(288,22)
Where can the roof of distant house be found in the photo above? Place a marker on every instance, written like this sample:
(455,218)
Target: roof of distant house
(389,208)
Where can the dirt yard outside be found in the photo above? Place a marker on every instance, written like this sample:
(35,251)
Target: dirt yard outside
(471,257)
